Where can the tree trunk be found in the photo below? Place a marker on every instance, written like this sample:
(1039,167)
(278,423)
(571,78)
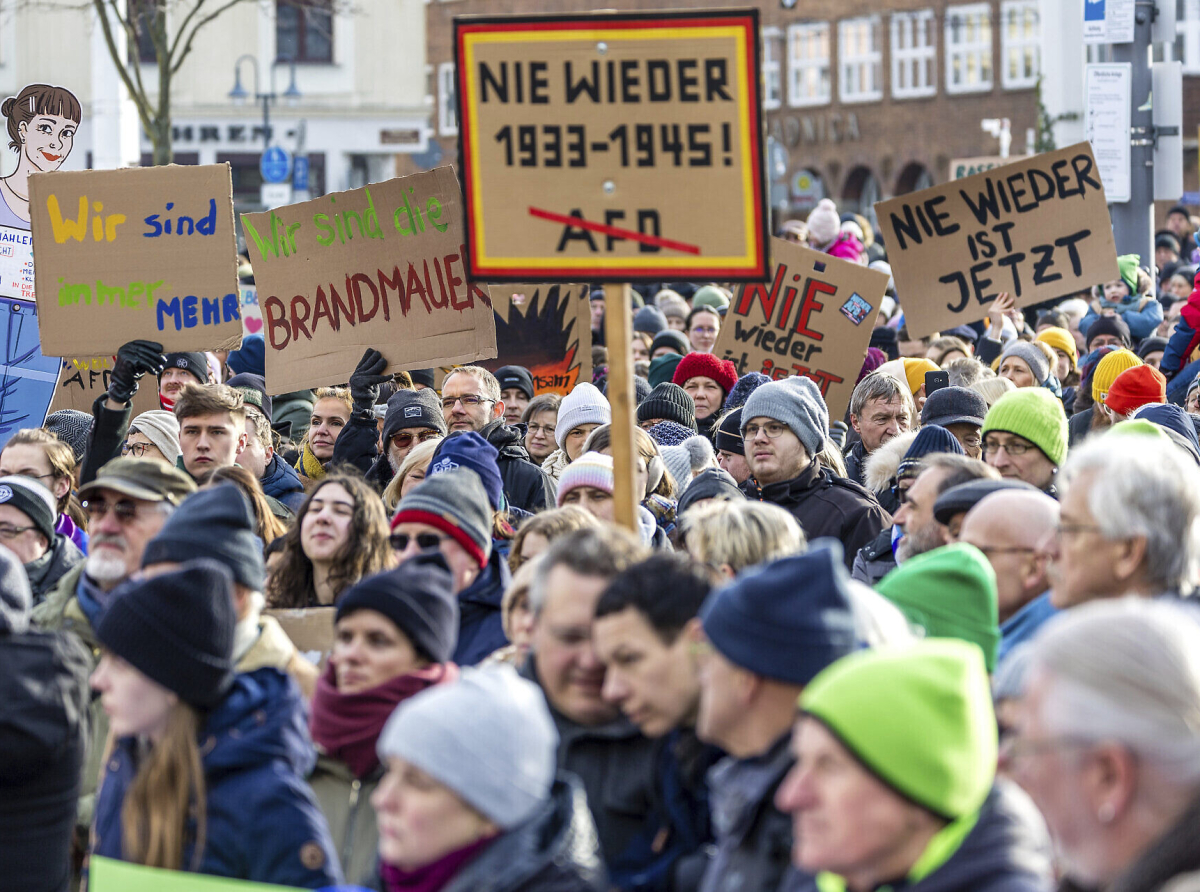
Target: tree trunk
(160,141)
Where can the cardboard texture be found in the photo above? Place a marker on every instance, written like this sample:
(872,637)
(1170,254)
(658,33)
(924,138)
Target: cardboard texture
(1038,229)
(613,147)
(27,378)
(813,318)
(550,334)
(381,266)
(140,253)
(311,630)
(109,875)
(81,379)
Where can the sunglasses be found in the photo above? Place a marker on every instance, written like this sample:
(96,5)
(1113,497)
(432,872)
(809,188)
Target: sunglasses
(425,541)
(124,509)
(403,441)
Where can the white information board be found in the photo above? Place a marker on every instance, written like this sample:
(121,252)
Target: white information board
(16,263)
(1108,21)
(1107,122)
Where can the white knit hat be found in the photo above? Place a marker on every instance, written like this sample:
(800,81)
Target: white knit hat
(824,224)
(583,405)
(160,428)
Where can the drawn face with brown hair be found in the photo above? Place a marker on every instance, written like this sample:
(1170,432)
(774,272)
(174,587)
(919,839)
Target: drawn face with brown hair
(47,140)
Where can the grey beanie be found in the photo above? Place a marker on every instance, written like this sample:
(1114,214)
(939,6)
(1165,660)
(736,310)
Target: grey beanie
(795,401)
(72,427)
(488,737)
(691,456)
(1032,356)
(162,429)
(456,503)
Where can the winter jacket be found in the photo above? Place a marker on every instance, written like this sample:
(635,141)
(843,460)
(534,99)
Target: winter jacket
(616,765)
(526,486)
(1142,323)
(358,445)
(46,571)
(262,821)
(480,627)
(345,801)
(826,505)
(874,560)
(1023,625)
(754,839)
(107,436)
(1172,860)
(845,246)
(553,851)
(282,483)
(1079,426)
(855,457)
(1008,850)
(1184,339)
(275,650)
(43,736)
(293,411)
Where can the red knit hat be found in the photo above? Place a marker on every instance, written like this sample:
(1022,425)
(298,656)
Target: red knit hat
(695,365)
(1136,387)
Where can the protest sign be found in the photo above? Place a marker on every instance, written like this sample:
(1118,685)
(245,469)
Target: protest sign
(1038,229)
(813,318)
(27,378)
(252,321)
(141,253)
(548,330)
(109,875)
(83,378)
(380,266)
(614,146)
(311,630)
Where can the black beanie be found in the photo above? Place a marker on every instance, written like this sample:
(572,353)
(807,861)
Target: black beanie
(423,377)
(674,340)
(1107,325)
(669,402)
(196,363)
(213,523)
(177,630)
(418,596)
(728,437)
(412,408)
(33,500)
(516,376)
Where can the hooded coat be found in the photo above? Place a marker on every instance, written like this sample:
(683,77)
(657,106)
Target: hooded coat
(280,481)
(526,486)
(45,572)
(263,823)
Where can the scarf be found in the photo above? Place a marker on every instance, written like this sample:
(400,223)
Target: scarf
(347,726)
(556,462)
(93,600)
(431,877)
(309,465)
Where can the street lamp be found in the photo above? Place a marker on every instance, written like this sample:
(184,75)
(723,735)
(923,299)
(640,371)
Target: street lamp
(239,95)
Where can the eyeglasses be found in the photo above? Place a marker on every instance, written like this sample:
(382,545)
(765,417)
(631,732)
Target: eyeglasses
(772,429)
(1015,747)
(403,441)
(425,541)
(7,531)
(138,450)
(704,330)
(541,429)
(1010,550)
(469,402)
(1074,529)
(1013,448)
(125,510)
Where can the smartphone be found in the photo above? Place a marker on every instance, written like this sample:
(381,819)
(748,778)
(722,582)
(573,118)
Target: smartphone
(936,381)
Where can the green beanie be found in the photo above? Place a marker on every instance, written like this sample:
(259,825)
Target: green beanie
(1127,264)
(1035,414)
(710,296)
(1139,427)
(919,717)
(662,369)
(950,592)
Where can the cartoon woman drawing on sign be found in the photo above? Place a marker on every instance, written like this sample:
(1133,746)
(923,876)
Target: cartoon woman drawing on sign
(42,121)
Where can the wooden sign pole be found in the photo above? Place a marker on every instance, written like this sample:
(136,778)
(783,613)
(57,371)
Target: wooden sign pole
(618,332)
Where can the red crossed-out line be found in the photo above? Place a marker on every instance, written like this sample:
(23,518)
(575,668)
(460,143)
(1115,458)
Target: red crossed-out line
(614,231)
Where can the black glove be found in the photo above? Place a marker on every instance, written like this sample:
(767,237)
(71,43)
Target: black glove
(366,380)
(134,360)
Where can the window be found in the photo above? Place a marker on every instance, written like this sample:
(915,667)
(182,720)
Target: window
(1020,34)
(914,54)
(304,31)
(142,14)
(1187,44)
(772,68)
(808,64)
(860,60)
(968,48)
(447,107)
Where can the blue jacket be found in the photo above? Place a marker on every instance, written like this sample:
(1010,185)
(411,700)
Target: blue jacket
(263,823)
(1142,323)
(280,481)
(480,629)
(1023,625)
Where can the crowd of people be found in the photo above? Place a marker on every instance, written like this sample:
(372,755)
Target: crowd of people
(945,642)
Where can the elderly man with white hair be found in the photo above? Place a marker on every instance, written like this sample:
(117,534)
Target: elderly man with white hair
(1108,743)
(1129,520)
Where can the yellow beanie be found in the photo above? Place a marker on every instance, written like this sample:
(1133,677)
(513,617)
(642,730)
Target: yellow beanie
(914,372)
(1060,339)
(1106,373)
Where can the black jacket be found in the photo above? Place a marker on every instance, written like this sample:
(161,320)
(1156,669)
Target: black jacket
(358,445)
(109,430)
(1079,426)
(526,486)
(874,560)
(826,505)
(60,558)
(43,736)
(1171,857)
(855,456)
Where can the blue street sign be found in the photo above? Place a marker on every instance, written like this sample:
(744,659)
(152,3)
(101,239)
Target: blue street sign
(274,165)
(300,174)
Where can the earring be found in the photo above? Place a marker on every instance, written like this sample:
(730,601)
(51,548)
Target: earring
(1106,813)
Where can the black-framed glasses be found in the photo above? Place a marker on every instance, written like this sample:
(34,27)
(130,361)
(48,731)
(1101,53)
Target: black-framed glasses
(425,541)
(8,531)
(125,509)
(469,401)
(137,450)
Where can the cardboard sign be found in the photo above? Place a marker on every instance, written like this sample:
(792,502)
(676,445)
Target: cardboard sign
(140,253)
(109,875)
(549,332)
(27,378)
(252,321)
(1038,229)
(81,379)
(813,318)
(381,266)
(615,146)
(311,630)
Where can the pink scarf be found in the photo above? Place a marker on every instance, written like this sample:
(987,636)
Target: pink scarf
(431,877)
(346,726)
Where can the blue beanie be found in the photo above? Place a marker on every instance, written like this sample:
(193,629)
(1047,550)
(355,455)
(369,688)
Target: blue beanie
(250,357)
(745,386)
(467,449)
(670,433)
(930,439)
(786,620)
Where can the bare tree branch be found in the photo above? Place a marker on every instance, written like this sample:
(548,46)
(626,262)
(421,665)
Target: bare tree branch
(139,97)
(200,23)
